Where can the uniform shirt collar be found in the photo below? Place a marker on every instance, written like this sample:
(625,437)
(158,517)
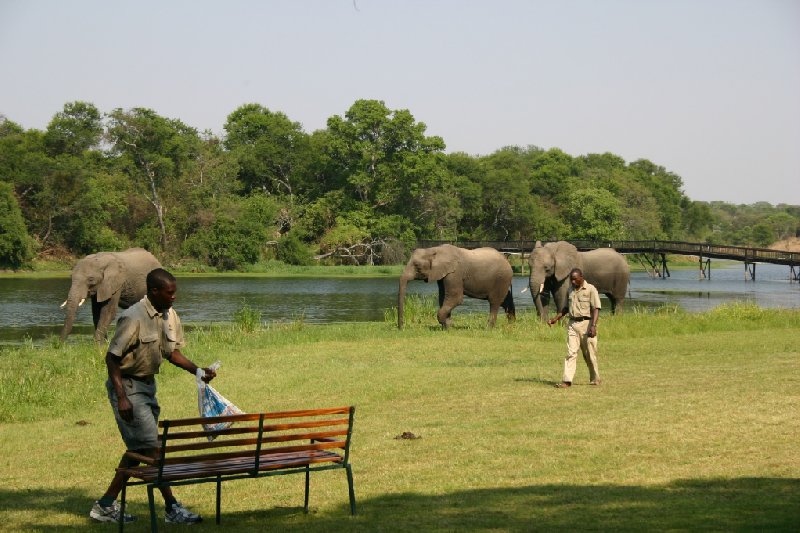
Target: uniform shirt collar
(152,312)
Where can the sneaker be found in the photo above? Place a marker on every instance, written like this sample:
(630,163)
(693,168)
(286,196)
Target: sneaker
(108,514)
(179,514)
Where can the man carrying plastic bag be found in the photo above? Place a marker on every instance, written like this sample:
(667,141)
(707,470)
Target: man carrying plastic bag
(212,403)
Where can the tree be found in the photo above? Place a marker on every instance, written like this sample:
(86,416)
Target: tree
(271,150)
(236,234)
(380,155)
(666,189)
(153,152)
(593,214)
(16,246)
(74,130)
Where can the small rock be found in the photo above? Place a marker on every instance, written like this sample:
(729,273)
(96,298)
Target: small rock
(407,435)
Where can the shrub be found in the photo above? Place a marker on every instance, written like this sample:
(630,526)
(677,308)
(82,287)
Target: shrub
(292,251)
(16,246)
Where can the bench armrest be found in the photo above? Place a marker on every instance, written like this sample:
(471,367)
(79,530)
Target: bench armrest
(141,458)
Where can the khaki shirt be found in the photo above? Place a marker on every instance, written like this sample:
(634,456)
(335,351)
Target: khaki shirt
(582,300)
(143,338)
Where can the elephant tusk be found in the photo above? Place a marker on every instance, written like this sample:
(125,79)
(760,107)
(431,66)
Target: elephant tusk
(541,288)
(81,302)
(524,290)
(62,305)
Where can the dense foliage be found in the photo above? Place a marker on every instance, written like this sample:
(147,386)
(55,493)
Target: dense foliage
(360,191)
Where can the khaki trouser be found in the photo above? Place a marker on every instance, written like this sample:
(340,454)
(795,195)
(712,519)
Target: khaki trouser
(577,338)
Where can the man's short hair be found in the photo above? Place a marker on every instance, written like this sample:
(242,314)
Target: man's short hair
(576,270)
(159,278)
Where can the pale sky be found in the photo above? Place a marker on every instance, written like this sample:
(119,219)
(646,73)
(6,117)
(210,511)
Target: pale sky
(708,89)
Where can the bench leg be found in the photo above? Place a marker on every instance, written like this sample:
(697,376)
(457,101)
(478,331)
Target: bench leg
(122,507)
(350,489)
(219,496)
(308,481)
(152,502)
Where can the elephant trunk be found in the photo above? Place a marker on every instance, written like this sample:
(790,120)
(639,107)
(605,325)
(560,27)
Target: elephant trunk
(536,286)
(76,297)
(401,296)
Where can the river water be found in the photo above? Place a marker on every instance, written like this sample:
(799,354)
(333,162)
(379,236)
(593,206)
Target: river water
(30,307)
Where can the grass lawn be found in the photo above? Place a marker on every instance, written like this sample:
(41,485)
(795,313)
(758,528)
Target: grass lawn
(695,427)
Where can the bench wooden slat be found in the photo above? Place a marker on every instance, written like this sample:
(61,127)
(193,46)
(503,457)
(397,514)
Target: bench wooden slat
(255,416)
(325,445)
(230,467)
(173,448)
(308,424)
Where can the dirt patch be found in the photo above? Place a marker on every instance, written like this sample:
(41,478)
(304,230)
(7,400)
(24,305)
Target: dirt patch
(790,245)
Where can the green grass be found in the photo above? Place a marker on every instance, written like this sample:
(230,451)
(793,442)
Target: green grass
(694,428)
(272,268)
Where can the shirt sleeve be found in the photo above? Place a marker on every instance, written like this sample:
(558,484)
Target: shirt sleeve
(595,296)
(126,332)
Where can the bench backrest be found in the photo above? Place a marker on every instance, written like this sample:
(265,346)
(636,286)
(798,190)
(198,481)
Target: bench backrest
(256,439)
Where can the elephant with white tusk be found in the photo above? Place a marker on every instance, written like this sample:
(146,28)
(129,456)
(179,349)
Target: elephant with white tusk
(483,273)
(550,265)
(110,280)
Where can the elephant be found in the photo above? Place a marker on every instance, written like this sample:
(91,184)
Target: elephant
(483,273)
(110,279)
(550,265)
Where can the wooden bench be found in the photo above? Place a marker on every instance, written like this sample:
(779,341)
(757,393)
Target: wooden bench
(256,445)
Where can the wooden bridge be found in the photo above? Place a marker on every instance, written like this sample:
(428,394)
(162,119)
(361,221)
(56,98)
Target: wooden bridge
(654,253)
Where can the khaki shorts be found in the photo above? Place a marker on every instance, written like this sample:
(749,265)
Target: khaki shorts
(142,432)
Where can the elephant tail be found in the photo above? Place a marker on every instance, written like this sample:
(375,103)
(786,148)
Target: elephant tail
(508,306)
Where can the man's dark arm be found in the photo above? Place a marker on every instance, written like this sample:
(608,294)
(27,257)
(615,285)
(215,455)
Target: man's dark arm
(558,316)
(124,406)
(593,324)
(181,361)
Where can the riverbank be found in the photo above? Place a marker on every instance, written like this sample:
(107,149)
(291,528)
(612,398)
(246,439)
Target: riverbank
(61,268)
(694,426)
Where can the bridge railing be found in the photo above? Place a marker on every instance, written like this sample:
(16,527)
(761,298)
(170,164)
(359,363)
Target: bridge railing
(739,253)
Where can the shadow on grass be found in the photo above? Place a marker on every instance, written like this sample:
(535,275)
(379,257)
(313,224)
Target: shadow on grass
(718,504)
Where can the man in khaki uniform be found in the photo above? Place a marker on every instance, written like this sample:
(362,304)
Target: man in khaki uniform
(147,333)
(583,306)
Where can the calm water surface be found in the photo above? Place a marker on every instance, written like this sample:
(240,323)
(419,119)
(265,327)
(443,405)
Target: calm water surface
(30,307)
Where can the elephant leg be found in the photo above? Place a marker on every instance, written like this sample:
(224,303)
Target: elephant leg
(97,309)
(445,312)
(107,312)
(613,300)
(494,307)
(446,304)
(508,307)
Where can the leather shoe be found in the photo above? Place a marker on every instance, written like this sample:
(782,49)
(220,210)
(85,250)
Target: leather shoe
(563,385)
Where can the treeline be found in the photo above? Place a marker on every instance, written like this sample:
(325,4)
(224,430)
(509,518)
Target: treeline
(360,191)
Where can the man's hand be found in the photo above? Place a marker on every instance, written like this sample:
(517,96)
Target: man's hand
(125,409)
(210,374)
(592,331)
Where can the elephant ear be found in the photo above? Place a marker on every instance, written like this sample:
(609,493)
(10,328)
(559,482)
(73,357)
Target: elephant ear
(566,256)
(113,278)
(443,262)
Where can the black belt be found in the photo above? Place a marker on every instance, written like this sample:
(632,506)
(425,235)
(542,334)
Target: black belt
(143,379)
(579,318)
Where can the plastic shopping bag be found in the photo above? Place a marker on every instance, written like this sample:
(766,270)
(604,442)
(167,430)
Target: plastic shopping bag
(212,403)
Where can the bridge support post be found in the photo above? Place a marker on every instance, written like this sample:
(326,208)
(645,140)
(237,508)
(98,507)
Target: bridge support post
(664,269)
(794,273)
(749,271)
(705,268)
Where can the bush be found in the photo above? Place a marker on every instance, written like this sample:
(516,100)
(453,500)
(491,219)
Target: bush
(16,246)
(292,251)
